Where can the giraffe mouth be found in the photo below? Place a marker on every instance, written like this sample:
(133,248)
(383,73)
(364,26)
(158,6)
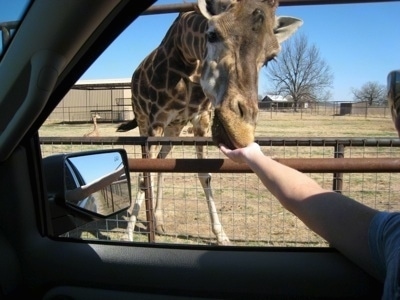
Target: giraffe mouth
(231,130)
(219,134)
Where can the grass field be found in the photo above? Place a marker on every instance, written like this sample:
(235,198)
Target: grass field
(248,212)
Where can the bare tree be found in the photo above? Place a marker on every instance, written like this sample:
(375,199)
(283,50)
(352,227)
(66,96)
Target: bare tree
(300,72)
(372,92)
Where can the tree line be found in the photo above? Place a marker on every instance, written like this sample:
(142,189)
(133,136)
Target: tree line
(300,73)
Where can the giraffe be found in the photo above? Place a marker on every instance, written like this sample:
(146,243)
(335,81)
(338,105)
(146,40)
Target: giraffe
(208,59)
(95,131)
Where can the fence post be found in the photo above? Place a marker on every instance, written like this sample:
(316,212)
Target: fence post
(148,198)
(337,185)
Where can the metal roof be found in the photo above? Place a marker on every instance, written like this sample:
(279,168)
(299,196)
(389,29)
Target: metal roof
(103,84)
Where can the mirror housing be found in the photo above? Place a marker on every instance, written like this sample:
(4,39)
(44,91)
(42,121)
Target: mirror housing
(393,86)
(86,186)
(393,95)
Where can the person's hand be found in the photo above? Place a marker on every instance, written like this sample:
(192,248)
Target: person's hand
(241,155)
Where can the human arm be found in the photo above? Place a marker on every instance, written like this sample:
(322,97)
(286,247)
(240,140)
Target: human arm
(342,221)
(86,190)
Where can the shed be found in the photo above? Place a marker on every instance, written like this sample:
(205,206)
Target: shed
(110,98)
(345,108)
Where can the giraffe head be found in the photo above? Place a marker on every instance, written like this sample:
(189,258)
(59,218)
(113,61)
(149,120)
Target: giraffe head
(242,36)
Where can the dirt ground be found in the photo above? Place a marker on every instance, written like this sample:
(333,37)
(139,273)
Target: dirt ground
(248,212)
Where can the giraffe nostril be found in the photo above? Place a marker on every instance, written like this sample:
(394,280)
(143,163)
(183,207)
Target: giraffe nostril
(246,111)
(241,110)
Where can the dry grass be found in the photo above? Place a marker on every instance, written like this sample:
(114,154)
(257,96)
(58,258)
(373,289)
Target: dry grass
(248,212)
(301,125)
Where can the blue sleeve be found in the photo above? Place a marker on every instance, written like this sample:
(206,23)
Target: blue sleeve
(384,244)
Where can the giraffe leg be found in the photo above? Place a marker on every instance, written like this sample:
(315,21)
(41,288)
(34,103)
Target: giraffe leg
(158,205)
(199,126)
(133,211)
(136,205)
(205,180)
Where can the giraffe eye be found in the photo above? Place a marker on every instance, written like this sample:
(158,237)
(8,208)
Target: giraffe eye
(212,37)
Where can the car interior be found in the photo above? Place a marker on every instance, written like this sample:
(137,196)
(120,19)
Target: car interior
(45,54)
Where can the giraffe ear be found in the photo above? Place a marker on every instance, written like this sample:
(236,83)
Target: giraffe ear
(285,27)
(209,8)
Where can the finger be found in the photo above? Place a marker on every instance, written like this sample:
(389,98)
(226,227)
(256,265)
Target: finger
(224,149)
(222,146)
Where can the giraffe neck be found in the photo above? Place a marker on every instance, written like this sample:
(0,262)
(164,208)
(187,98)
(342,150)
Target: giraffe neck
(191,36)
(186,38)
(166,89)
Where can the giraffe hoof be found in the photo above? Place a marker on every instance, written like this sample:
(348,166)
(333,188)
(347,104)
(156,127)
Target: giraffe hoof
(160,229)
(224,242)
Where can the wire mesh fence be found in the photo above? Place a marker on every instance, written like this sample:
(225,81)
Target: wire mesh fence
(249,214)
(113,108)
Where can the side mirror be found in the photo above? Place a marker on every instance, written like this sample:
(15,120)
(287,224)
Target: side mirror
(393,89)
(97,183)
(87,186)
(393,85)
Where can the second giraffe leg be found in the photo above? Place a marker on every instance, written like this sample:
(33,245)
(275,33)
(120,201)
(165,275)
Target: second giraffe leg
(133,211)
(200,128)
(218,230)
(158,205)
(205,180)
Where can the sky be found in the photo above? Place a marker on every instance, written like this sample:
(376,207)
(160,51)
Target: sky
(360,42)
(105,164)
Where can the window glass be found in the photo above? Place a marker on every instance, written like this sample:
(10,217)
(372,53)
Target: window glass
(358,46)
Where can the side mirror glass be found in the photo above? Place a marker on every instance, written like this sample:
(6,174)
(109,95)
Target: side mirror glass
(393,95)
(97,182)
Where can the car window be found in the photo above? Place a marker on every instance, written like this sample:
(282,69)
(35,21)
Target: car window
(336,119)
(11,13)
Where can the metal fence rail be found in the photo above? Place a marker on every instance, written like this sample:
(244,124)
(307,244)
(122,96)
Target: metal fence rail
(306,165)
(191,141)
(338,160)
(337,165)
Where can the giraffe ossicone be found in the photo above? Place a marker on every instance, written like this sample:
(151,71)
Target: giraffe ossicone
(208,59)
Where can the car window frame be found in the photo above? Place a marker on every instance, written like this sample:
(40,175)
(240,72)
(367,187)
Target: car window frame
(154,269)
